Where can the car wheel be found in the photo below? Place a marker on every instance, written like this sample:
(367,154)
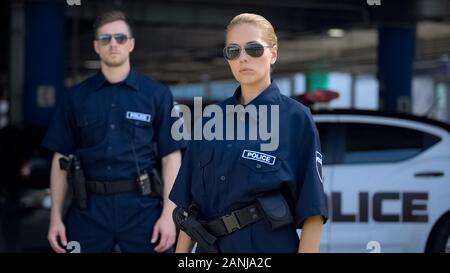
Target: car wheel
(440,239)
(447,248)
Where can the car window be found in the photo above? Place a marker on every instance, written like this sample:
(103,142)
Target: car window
(373,143)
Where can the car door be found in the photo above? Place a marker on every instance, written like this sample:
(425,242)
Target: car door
(369,184)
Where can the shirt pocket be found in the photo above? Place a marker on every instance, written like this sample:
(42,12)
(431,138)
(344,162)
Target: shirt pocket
(89,126)
(258,173)
(141,132)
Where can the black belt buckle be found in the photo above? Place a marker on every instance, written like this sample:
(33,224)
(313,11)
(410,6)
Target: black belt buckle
(100,188)
(231,222)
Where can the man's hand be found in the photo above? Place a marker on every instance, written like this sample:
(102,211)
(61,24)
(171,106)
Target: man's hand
(165,230)
(57,235)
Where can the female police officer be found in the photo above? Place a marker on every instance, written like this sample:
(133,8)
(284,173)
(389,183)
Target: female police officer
(232,196)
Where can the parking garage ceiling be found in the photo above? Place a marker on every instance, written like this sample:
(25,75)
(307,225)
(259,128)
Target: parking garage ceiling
(182,40)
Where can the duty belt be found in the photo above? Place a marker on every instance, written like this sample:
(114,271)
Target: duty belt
(111,187)
(235,220)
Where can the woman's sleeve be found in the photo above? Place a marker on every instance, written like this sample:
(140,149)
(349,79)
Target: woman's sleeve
(311,199)
(181,190)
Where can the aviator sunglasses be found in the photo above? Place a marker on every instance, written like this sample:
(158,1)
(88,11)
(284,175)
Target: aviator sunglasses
(253,49)
(106,38)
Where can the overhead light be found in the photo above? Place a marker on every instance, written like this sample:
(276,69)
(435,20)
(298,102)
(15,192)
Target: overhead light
(336,32)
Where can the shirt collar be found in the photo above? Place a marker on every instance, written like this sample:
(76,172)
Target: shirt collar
(268,96)
(132,80)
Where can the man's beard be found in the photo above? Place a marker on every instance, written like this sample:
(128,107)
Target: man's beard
(114,62)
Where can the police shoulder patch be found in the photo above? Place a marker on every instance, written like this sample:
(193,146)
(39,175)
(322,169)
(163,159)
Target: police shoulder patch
(258,156)
(319,165)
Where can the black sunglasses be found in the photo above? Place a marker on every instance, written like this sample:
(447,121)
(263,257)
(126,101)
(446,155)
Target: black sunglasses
(105,38)
(253,49)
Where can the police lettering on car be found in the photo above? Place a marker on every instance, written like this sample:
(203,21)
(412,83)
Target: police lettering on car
(235,195)
(115,125)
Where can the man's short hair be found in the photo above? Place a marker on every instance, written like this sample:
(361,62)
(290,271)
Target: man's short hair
(112,16)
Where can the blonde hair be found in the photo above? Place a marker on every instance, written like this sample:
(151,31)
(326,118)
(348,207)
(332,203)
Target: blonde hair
(258,21)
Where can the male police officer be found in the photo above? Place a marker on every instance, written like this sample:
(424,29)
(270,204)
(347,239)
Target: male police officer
(110,123)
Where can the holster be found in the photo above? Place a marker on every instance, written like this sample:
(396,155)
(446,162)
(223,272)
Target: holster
(206,242)
(79,188)
(157,183)
(76,179)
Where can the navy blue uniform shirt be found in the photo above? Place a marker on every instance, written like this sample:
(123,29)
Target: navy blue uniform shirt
(102,123)
(223,175)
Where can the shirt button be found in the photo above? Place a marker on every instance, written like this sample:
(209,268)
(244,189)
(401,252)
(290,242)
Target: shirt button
(108,168)
(229,145)
(113,105)
(223,178)
(258,166)
(112,126)
(110,148)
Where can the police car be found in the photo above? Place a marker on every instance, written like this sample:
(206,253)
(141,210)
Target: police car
(387,179)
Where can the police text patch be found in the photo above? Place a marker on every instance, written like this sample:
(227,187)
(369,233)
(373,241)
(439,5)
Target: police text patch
(138,116)
(258,156)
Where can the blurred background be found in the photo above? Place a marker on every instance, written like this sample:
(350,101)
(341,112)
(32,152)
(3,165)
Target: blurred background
(385,56)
